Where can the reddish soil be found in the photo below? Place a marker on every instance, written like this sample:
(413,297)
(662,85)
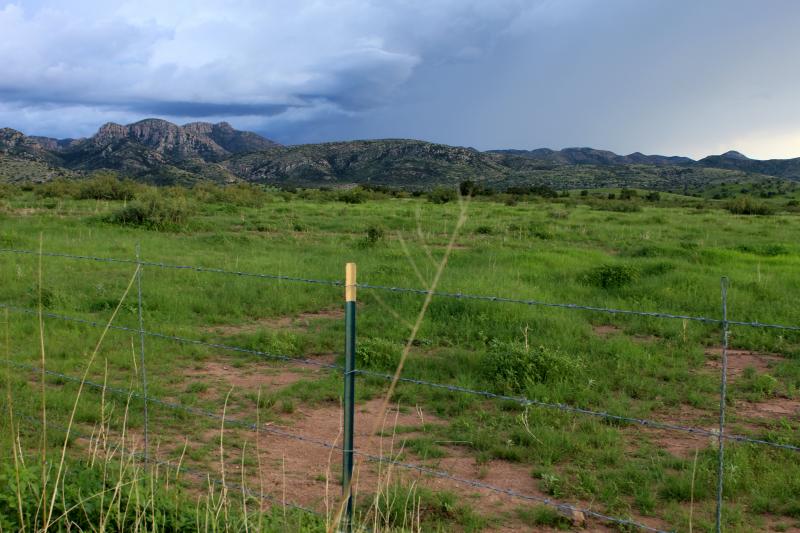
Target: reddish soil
(607,330)
(772,409)
(739,360)
(293,323)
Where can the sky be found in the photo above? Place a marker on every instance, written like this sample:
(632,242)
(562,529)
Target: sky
(673,77)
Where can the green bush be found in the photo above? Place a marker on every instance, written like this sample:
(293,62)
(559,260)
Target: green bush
(378,353)
(374,235)
(153,211)
(107,187)
(8,191)
(611,276)
(356,195)
(511,367)
(57,188)
(441,195)
(745,205)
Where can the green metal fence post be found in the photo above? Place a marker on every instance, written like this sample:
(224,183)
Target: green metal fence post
(349,392)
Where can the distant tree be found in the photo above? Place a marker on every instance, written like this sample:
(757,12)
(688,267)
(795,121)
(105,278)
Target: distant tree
(584,192)
(467,188)
(441,195)
(653,196)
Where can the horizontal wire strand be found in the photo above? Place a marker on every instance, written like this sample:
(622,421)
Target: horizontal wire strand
(451,388)
(368,456)
(339,283)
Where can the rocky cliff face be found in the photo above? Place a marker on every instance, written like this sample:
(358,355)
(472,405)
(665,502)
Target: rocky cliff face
(198,140)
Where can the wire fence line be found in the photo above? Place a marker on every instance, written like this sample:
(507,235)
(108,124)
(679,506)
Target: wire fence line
(127,393)
(450,388)
(724,322)
(441,294)
(204,475)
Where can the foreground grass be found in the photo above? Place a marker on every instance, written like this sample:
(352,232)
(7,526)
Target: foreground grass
(659,259)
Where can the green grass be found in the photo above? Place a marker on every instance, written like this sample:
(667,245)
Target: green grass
(666,256)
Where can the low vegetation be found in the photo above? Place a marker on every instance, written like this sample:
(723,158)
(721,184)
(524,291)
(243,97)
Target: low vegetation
(666,254)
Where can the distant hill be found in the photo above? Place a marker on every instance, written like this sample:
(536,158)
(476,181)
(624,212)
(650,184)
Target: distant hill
(161,152)
(590,156)
(782,168)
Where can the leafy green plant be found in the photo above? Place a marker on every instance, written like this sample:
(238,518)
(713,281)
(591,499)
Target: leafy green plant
(377,353)
(746,205)
(513,366)
(153,211)
(441,195)
(611,276)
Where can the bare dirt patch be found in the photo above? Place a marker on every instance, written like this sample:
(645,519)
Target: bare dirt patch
(678,443)
(300,322)
(739,360)
(606,330)
(249,377)
(773,409)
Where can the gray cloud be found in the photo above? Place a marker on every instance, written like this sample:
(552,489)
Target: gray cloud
(664,76)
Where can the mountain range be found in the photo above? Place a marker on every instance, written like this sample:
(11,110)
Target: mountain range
(160,152)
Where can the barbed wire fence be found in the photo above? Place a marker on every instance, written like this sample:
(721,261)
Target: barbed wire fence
(720,435)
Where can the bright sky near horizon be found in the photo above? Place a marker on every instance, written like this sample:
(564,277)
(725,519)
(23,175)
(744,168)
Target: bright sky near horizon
(674,77)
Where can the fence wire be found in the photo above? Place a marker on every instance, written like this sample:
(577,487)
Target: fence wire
(368,456)
(170,464)
(440,294)
(720,435)
(450,388)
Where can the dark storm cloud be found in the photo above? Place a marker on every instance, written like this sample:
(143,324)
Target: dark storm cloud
(664,76)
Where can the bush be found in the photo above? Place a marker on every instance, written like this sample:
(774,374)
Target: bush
(380,354)
(57,188)
(441,195)
(374,235)
(511,367)
(611,276)
(356,195)
(8,191)
(153,211)
(107,187)
(653,196)
(745,205)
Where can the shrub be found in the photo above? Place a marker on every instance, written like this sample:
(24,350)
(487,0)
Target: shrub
(153,211)
(7,190)
(511,367)
(618,207)
(355,195)
(611,276)
(745,205)
(244,194)
(377,353)
(57,188)
(483,230)
(653,196)
(374,235)
(441,195)
(106,187)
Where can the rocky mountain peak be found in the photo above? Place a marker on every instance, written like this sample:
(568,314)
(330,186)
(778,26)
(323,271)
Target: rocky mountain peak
(733,154)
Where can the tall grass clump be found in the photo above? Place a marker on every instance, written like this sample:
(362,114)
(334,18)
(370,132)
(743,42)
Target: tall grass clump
(152,210)
(511,367)
(103,187)
(611,276)
(745,205)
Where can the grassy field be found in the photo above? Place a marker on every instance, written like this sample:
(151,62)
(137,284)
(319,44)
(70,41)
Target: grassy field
(666,256)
